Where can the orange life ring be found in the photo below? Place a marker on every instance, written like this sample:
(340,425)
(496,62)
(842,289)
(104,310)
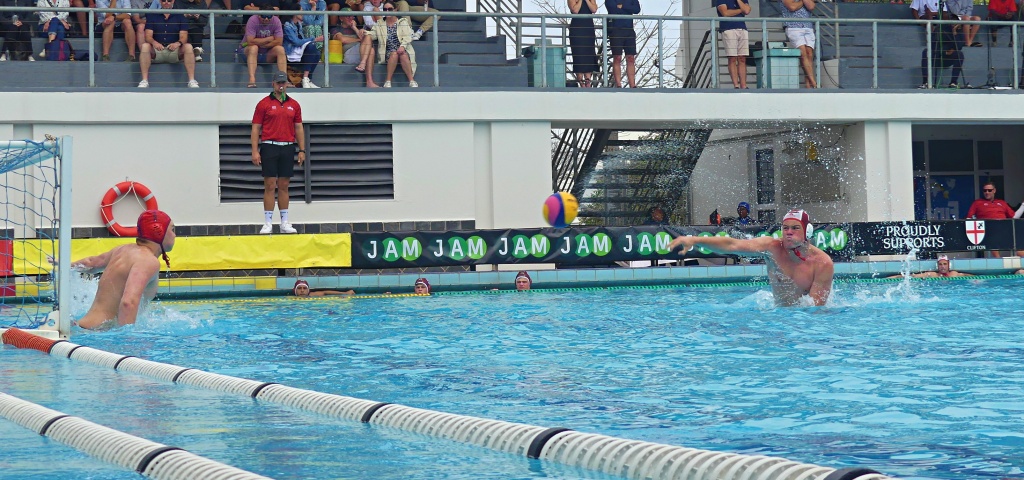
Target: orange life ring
(113,195)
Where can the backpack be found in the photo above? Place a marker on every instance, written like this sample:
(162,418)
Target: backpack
(59,50)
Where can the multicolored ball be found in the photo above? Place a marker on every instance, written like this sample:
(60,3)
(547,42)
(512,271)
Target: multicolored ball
(560,209)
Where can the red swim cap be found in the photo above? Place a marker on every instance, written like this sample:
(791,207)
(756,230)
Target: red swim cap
(798,215)
(424,282)
(153,225)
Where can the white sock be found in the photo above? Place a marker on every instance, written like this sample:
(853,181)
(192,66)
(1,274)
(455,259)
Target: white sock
(268,216)
(419,31)
(284,216)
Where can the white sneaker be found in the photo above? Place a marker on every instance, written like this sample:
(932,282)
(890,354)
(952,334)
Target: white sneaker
(144,84)
(31,58)
(199,58)
(198,52)
(417,35)
(413,84)
(287,228)
(267,228)
(387,84)
(307,83)
(193,84)
(3,57)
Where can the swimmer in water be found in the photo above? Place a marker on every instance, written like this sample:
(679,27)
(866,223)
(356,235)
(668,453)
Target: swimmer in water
(421,287)
(795,267)
(942,269)
(301,289)
(130,272)
(523,281)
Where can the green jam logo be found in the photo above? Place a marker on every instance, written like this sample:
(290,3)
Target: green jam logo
(649,244)
(408,249)
(707,251)
(599,244)
(835,239)
(460,248)
(540,246)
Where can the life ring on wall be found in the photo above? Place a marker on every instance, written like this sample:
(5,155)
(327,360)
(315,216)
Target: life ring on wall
(114,195)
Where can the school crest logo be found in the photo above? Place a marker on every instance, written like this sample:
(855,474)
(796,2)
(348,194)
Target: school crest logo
(975,231)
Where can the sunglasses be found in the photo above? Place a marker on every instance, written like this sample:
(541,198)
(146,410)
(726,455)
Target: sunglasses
(266,17)
(389,9)
(988,190)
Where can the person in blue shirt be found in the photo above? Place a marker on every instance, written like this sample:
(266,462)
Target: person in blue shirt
(301,51)
(167,42)
(622,38)
(743,214)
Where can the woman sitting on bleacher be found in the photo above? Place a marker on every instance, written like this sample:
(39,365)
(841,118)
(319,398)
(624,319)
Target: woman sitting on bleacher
(394,46)
(301,50)
(55,24)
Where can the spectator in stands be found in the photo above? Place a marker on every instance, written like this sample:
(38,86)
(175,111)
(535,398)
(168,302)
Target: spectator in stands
(351,38)
(16,31)
(313,24)
(583,42)
(801,35)
(54,25)
(946,52)
(82,17)
(1001,11)
(167,42)
(107,25)
(988,207)
(139,20)
(275,134)
(414,7)
(622,38)
(743,214)
(371,6)
(735,38)
(656,216)
(926,9)
(339,5)
(196,25)
(964,10)
(264,43)
(394,46)
(300,50)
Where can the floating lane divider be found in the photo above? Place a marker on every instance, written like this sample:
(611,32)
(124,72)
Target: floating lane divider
(151,459)
(615,456)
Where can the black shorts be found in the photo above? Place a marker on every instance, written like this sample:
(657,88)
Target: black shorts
(622,39)
(277,161)
(340,3)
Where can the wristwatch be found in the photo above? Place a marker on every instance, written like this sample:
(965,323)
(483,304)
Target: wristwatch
(302,151)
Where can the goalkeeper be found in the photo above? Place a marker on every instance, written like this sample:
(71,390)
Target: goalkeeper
(129,273)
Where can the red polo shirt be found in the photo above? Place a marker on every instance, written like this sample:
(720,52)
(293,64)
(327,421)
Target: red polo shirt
(991,210)
(277,118)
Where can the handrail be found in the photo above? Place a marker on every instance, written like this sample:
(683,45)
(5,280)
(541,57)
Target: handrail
(552,26)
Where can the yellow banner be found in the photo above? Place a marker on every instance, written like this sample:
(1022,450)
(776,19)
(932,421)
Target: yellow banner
(244,252)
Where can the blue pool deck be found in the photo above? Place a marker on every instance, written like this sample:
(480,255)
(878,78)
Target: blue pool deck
(597,277)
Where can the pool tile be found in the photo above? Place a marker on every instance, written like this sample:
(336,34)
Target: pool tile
(734,271)
(488,278)
(644,273)
(621,274)
(689,272)
(565,275)
(662,273)
(586,275)
(349,281)
(755,270)
(715,272)
(468,278)
(369,281)
(391,281)
(604,274)
(547,276)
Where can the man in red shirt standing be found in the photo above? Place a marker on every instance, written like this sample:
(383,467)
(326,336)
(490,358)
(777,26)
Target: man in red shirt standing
(276,128)
(989,208)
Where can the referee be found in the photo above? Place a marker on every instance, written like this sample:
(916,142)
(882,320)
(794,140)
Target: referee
(276,128)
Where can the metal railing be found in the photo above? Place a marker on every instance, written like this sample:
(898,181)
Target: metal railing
(659,49)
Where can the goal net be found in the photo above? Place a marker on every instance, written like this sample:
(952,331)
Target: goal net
(35,235)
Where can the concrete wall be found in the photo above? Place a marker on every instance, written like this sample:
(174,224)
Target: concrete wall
(485,155)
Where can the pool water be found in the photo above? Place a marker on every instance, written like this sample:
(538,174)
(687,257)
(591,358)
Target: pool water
(919,379)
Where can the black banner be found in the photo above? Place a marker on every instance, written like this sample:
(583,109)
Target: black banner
(578,246)
(928,238)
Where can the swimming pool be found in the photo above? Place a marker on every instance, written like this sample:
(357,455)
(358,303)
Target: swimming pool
(894,377)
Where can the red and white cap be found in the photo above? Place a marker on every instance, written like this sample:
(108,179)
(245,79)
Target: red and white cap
(802,217)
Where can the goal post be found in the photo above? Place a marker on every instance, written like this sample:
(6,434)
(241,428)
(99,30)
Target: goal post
(35,235)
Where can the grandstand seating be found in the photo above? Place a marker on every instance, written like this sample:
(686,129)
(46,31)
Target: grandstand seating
(900,47)
(467,58)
